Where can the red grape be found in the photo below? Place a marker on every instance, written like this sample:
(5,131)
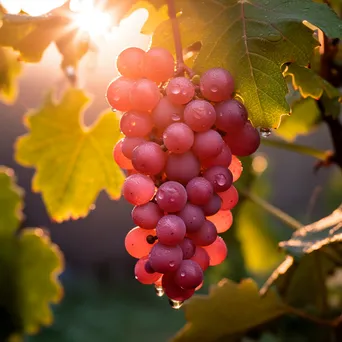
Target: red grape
(173,291)
(188,248)
(199,115)
(189,275)
(201,257)
(220,178)
(178,138)
(224,158)
(138,189)
(180,90)
(213,206)
(217,251)
(147,215)
(222,220)
(136,124)
(171,196)
(130,62)
(207,144)
(136,243)
(118,93)
(230,198)
(119,157)
(129,144)
(236,168)
(166,113)
(193,217)
(170,230)
(145,95)
(142,275)
(165,259)
(199,191)
(204,236)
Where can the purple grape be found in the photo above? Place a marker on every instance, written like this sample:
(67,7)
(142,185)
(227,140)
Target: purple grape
(199,191)
(174,291)
(170,230)
(167,113)
(213,206)
(171,197)
(145,95)
(147,215)
(165,259)
(207,144)
(199,115)
(182,167)
(220,178)
(189,275)
(205,236)
(178,138)
(180,90)
(148,268)
(222,159)
(136,124)
(193,217)
(188,248)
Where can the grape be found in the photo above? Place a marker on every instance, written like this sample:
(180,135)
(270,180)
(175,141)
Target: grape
(147,215)
(178,138)
(138,189)
(217,85)
(199,115)
(222,159)
(188,248)
(235,168)
(199,191)
(231,116)
(173,291)
(182,167)
(170,230)
(166,113)
(189,275)
(165,259)
(141,274)
(171,197)
(213,206)
(243,142)
(119,157)
(136,243)
(207,144)
(230,198)
(145,95)
(118,93)
(148,158)
(222,220)
(149,269)
(193,217)
(180,90)
(158,64)
(136,124)
(130,62)
(217,251)
(201,257)
(220,178)
(129,144)
(206,235)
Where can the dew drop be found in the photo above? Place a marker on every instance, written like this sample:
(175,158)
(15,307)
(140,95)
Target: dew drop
(175,117)
(265,132)
(176,89)
(274,37)
(175,304)
(172,264)
(214,89)
(220,179)
(159,290)
(161,194)
(182,274)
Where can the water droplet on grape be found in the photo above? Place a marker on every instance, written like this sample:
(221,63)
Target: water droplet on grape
(175,117)
(159,291)
(161,194)
(274,37)
(220,179)
(116,98)
(265,132)
(113,110)
(172,264)
(182,274)
(175,304)
(214,89)
(176,89)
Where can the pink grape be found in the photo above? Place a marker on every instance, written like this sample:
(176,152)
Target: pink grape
(173,291)
(170,230)
(217,251)
(148,158)
(119,157)
(189,275)
(129,144)
(213,206)
(230,198)
(142,275)
(231,116)
(138,189)
(188,248)
(199,115)
(236,168)
(136,124)
(165,259)
(217,84)
(147,215)
(220,178)
(180,90)
(222,220)
(166,113)
(178,138)
(171,197)
(207,144)
(136,243)
(222,159)
(201,257)
(158,64)
(199,191)
(243,142)
(205,236)
(130,62)
(145,95)
(193,217)
(118,94)
(182,167)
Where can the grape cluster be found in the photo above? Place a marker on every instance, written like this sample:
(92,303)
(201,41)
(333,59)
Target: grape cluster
(180,152)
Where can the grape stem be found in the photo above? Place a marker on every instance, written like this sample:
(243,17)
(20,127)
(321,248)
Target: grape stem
(181,67)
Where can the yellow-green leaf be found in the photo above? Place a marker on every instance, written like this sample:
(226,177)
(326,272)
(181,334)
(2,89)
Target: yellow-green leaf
(10,68)
(73,162)
(309,83)
(229,309)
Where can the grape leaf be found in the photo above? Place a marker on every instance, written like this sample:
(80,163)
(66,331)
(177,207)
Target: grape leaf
(29,267)
(229,309)
(309,83)
(73,163)
(252,39)
(10,68)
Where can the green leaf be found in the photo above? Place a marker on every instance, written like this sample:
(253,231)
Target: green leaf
(229,309)
(309,83)
(303,119)
(252,39)
(73,162)
(10,68)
